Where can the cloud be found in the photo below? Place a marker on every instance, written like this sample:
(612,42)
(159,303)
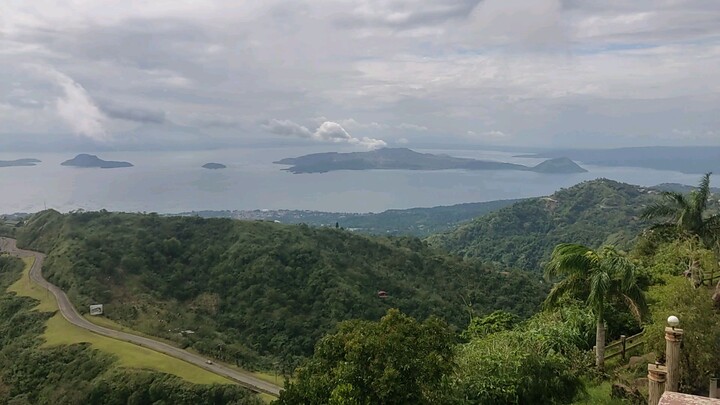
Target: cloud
(545,71)
(214,121)
(132,113)
(495,134)
(287,128)
(351,123)
(328,131)
(76,107)
(406,14)
(412,127)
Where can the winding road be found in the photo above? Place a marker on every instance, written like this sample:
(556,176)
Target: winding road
(69,312)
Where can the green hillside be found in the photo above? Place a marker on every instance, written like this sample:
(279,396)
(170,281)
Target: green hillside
(523,235)
(258,293)
(32,372)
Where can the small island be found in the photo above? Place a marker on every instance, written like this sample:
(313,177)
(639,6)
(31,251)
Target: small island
(406,159)
(85,160)
(214,166)
(19,162)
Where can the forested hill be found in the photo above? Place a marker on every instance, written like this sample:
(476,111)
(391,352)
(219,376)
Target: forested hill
(523,235)
(256,292)
(412,221)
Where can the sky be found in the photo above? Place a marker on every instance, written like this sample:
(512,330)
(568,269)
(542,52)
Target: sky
(191,74)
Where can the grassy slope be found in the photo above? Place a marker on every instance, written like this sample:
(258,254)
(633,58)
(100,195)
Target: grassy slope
(59,331)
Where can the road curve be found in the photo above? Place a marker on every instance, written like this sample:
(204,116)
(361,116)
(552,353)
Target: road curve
(69,312)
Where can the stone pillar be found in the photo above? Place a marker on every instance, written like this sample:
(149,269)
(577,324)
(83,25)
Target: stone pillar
(656,383)
(713,388)
(673,338)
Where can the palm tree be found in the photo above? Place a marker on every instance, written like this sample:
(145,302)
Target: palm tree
(688,213)
(600,278)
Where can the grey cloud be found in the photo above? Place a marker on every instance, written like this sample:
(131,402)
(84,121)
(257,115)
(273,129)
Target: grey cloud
(25,102)
(412,127)
(132,113)
(406,14)
(534,69)
(215,121)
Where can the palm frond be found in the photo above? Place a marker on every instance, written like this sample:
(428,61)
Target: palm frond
(678,199)
(599,288)
(635,301)
(569,286)
(659,210)
(701,193)
(711,227)
(569,258)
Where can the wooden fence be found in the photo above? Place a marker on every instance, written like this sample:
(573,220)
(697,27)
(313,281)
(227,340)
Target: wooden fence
(624,345)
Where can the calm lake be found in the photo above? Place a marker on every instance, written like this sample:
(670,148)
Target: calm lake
(170,182)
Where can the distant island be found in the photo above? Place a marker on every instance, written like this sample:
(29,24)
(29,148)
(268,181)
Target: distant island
(406,159)
(684,159)
(85,160)
(19,162)
(214,166)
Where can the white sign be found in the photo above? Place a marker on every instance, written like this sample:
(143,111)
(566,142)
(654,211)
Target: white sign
(96,309)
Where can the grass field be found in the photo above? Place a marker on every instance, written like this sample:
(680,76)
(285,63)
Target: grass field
(60,331)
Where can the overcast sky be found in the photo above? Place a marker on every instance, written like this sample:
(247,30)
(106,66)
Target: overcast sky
(369,73)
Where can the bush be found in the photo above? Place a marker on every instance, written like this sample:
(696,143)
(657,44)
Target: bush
(538,362)
(700,357)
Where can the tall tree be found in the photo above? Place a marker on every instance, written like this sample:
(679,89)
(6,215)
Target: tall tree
(688,213)
(397,360)
(601,278)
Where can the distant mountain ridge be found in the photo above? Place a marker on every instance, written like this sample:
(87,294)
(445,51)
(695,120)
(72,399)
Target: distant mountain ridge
(407,159)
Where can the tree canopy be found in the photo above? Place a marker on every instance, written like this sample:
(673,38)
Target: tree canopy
(688,213)
(600,278)
(396,360)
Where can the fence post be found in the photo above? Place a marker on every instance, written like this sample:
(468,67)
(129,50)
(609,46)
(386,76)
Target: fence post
(657,375)
(673,339)
(623,338)
(713,388)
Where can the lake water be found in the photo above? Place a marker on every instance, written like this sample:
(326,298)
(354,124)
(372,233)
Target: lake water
(169,182)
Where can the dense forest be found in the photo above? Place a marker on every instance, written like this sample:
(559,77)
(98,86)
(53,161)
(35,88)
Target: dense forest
(523,235)
(259,293)
(78,374)
(356,319)
(670,270)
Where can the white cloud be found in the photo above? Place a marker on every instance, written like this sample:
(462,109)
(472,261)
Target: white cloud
(76,107)
(287,128)
(328,131)
(495,134)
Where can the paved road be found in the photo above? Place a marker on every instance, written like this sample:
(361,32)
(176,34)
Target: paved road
(70,313)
